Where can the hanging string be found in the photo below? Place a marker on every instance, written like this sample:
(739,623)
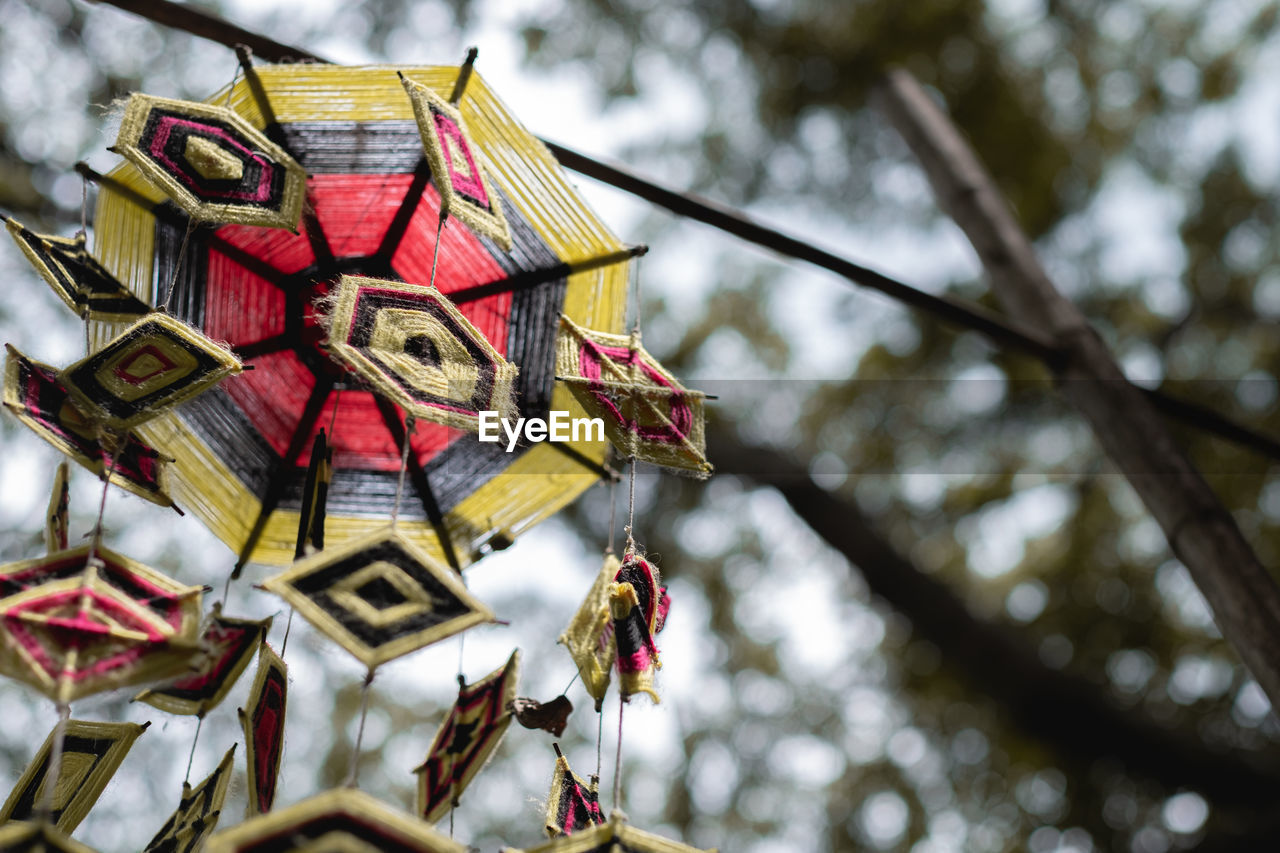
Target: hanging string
(84,208)
(435,250)
(599,738)
(354,772)
(96,537)
(631,511)
(54,767)
(404,467)
(613,513)
(235,75)
(617,765)
(288,626)
(177,264)
(195,740)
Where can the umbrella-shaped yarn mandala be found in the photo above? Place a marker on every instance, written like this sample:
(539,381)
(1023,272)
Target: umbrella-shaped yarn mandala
(73,624)
(372,210)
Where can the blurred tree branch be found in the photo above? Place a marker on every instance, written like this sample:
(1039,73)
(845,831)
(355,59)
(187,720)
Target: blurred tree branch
(1066,711)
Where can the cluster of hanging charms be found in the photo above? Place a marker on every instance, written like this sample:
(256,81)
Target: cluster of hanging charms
(84,619)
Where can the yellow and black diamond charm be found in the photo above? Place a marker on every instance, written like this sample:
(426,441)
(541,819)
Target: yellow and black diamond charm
(379,597)
(155,364)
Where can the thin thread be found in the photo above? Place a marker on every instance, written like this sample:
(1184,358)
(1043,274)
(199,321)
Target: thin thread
(462,641)
(333,418)
(177,264)
(288,625)
(435,250)
(192,757)
(617,766)
(631,510)
(84,208)
(404,466)
(102,509)
(354,772)
(613,513)
(55,761)
(572,681)
(235,75)
(599,738)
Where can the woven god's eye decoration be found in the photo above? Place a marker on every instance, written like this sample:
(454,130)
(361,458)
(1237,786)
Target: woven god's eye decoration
(226,647)
(468,736)
(647,413)
(414,347)
(91,753)
(76,276)
(33,392)
(379,597)
(339,821)
(197,813)
(72,626)
(455,165)
(213,163)
(155,364)
(639,608)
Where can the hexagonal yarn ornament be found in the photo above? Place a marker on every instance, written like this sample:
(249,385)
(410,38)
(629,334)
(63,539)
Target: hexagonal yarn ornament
(340,821)
(213,163)
(417,349)
(156,363)
(38,837)
(379,597)
(72,625)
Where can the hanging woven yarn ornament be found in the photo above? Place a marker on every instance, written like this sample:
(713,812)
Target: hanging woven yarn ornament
(76,276)
(379,597)
(613,836)
(455,167)
(226,647)
(153,365)
(340,821)
(263,725)
(375,194)
(572,805)
(89,755)
(57,517)
(197,813)
(415,348)
(589,637)
(33,392)
(638,606)
(647,413)
(84,620)
(213,163)
(468,736)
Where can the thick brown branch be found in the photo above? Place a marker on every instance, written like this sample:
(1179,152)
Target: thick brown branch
(1244,597)
(1066,711)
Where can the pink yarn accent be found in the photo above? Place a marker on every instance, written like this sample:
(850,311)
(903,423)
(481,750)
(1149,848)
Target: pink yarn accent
(589,361)
(471,185)
(164,128)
